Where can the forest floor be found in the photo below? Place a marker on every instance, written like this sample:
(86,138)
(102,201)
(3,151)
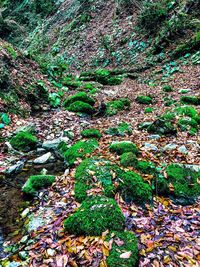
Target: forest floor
(167,232)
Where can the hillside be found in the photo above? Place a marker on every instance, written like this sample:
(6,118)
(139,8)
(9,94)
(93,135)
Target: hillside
(99,133)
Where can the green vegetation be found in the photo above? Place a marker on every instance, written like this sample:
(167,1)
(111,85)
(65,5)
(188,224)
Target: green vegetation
(184,180)
(148,110)
(82,107)
(80,150)
(102,170)
(36,182)
(129,244)
(122,129)
(114,106)
(133,188)
(95,215)
(123,147)
(191,100)
(146,167)
(91,133)
(183,123)
(24,141)
(128,159)
(186,111)
(162,126)
(167,88)
(143,99)
(81,96)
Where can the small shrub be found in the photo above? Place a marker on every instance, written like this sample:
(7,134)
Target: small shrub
(82,107)
(167,88)
(24,141)
(191,100)
(95,215)
(81,96)
(123,147)
(36,182)
(80,150)
(143,99)
(128,159)
(128,244)
(91,133)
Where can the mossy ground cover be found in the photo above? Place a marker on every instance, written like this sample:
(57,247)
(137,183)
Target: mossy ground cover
(114,106)
(81,96)
(24,141)
(123,147)
(81,107)
(79,150)
(37,182)
(122,129)
(94,171)
(95,215)
(91,133)
(123,242)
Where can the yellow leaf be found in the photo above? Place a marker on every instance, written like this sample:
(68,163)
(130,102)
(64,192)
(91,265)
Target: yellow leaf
(103,264)
(105,251)
(125,255)
(167,259)
(172,248)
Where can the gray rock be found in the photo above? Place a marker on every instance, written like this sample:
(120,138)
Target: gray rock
(15,168)
(169,147)
(53,144)
(25,213)
(43,159)
(144,125)
(182,150)
(152,147)
(23,255)
(14,264)
(30,127)
(24,239)
(154,136)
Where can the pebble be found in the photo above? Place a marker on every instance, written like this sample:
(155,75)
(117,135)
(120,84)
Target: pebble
(25,213)
(149,146)
(183,150)
(43,159)
(169,147)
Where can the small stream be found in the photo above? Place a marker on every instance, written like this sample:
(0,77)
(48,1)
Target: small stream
(12,200)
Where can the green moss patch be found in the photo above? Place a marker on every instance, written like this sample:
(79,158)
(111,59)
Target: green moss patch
(128,159)
(123,242)
(114,106)
(80,150)
(148,110)
(122,130)
(82,107)
(184,123)
(96,171)
(184,179)
(162,126)
(146,167)
(144,99)
(24,141)
(123,147)
(91,133)
(133,188)
(81,96)
(36,182)
(187,111)
(191,100)
(95,215)
(167,88)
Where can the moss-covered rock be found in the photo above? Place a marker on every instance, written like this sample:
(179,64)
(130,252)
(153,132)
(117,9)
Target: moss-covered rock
(146,167)
(184,179)
(114,106)
(95,215)
(123,242)
(91,133)
(162,126)
(80,150)
(186,111)
(133,188)
(144,99)
(191,100)
(123,147)
(122,130)
(82,107)
(93,172)
(24,141)
(184,123)
(36,182)
(148,110)
(81,96)
(167,88)
(128,159)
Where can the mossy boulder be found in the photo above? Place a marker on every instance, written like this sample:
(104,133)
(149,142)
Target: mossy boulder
(91,133)
(81,96)
(79,150)
(82,107)
(37,182)
(186,111)
(134,189)
(95,215)
(94,171)
(191,100)
(122,130)
(144,99)
(123,242)
(146,167)
(128,159)
(114,106)
(162,127)
(184,179)
(123,147)
(167,88)
(24,141)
